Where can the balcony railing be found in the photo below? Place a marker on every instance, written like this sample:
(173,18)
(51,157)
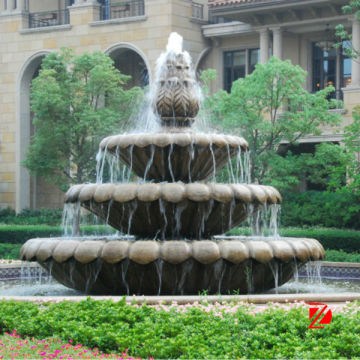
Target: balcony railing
(122,9)
(197,11)
(49,18)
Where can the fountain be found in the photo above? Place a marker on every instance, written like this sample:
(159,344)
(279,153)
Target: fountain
(172,213)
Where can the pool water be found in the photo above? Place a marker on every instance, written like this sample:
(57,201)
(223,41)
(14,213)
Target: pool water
(46,287)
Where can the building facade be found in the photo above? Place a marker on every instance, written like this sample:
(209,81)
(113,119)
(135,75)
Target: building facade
(231,36)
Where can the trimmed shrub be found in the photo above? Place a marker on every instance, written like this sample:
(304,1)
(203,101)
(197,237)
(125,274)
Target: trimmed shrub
(319,208)
(10,251)
(199,332)
(342,256)
(336,239)
(31,217)
(19,234)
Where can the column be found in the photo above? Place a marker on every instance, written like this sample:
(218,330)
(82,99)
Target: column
(11,5)
(338,74)
(355,70)
(264,45)
(277,42)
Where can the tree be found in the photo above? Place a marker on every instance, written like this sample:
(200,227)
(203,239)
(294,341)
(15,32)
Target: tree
(353,7)
(268,108)
(76,101)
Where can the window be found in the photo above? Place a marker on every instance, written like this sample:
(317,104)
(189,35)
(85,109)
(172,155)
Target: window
(254,58)
(325,66)
(238,64)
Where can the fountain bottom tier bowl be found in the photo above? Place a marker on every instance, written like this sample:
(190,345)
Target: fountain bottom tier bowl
(239,265)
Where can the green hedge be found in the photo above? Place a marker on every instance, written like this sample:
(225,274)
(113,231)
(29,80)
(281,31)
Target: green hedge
(195,334)
(31,217)
(18,234)
(10,251)
(342,256)
(319,208)
(336,239)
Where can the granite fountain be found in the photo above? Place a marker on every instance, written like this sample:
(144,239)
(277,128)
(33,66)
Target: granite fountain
(176,216)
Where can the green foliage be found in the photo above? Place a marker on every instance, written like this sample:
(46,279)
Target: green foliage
(268,107)
(336,239)
(31,217)
(352,143)
(341,256)
(76,101)
(195,334)
(352,8)
(10,251)
(19,234)
(319,208)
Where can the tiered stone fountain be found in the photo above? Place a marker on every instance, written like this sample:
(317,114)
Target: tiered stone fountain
(174,216)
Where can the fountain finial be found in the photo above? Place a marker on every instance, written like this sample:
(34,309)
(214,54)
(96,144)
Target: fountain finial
(176,96)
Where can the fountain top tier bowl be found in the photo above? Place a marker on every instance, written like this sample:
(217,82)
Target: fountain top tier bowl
(174,156)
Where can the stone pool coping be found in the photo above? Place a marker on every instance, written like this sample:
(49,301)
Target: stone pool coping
(190,299)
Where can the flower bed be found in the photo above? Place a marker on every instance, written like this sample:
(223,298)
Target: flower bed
(199,330)
(13,347)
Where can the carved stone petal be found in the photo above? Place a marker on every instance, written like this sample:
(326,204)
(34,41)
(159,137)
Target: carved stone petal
(65,250)
(149,192)
(198,192)
(182,139)
(127,140)
(46,249)
(87,192)
(234,251)
(104,142)
(258,193)
(125,192)
(113,141)
(206,252)
(145,140)
(314,249)
(175,252)
(260,251)
(302,251)
(88,251)
(282,250)
(202,139)
(277,194)
(144,252)
(218,140)
(173,192)
(162,139)
(114,251)
(32,248)
(241,192)
(271,195)
(72,194)
(221,193)
(104,192)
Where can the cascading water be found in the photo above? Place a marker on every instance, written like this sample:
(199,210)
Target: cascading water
(153,186)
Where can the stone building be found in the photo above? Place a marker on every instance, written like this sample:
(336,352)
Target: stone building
(228,35)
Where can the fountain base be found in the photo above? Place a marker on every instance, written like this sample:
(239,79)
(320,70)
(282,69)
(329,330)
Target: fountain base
(118,267)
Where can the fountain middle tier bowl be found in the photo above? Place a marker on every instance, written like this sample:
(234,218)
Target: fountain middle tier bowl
(172,210)
(174,156)
(119,267)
